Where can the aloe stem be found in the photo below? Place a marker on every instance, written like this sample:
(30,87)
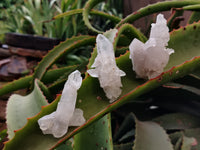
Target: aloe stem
(93,12)
(86,10)
(25,82)
(130,31)
(154,8)
(67,46)
(171,21)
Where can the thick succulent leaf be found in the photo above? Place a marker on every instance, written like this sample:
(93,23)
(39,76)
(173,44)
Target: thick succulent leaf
(184,50)
(192,7)
(177,146)
(127,146)
(65,146)
(178,137)
(188,142)
(3,135)
(31,136)
(131,32)
(188,88)
(97,136)
(125,127)
(88,6)
(63,48)
(182,142)
(59,83)
(195,133)
(91,98)
(190,80)
(127,136)
(49,77)
(93,12)
(195,17)
(151,136)
(171,22)
(178,121)
(157,7)
(19,108)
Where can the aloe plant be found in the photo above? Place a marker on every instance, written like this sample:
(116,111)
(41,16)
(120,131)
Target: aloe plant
(182,69)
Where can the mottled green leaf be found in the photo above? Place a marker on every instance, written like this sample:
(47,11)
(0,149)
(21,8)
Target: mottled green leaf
(188,142)
(97,136)
(178,121)
(151,136)
(19,108)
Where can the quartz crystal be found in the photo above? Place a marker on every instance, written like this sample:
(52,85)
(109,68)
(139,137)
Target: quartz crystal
(150,58)
(106,70)
(65,115)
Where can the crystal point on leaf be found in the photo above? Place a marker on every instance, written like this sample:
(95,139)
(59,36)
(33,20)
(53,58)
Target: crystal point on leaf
(65,115)
(150,58)
(105,68)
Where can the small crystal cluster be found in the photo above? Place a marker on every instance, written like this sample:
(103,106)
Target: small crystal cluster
(106,70)
(149,59)
(65,115)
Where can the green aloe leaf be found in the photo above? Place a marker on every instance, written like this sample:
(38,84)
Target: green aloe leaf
(93,12)
(195,17)
(63,48)
(65,146)
(97,136)
(49,77)
(91,98)
(3,135)
(19,108)
(31,134)
(157,7)
(127,146)
(188,142)
(184,50)
(192,7)
(151,136)
(171,22)
(125,127)
(86,10)
(180,139)
(195,133)
(59,83)
(178,121)
(131,32)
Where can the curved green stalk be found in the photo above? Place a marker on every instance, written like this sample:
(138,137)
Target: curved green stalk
(45,91)
(192,7)
(93,12)
(175,13)
(130,31)
(121,50)
(86,10)
(25,82)
(157,7)
(63,48)
(58,84)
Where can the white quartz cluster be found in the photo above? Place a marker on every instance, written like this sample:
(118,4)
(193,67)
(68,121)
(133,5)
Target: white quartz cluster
(66,115)
(106,70)
(149,59)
